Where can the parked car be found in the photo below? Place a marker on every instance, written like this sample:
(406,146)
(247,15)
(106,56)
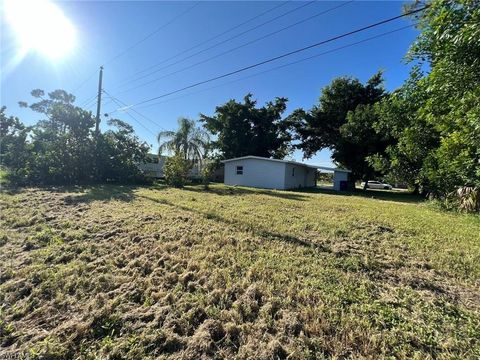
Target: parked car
(371,184)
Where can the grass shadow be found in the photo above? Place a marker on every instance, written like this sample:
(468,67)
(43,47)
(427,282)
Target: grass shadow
(238,191)
(106,192)
(298,194)
(383,195)
(88,193)
(102,193)
(263,233)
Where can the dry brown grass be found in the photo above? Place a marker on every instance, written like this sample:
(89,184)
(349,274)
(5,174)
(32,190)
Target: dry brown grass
(130,273)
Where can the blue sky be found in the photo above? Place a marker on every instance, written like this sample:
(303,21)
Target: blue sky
(106,29)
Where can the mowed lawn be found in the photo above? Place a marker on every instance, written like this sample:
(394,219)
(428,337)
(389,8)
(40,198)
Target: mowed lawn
(152,272)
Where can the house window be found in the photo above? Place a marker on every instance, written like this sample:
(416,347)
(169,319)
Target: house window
(293,171)
(239,170)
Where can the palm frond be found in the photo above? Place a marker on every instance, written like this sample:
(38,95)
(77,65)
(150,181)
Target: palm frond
(188,139)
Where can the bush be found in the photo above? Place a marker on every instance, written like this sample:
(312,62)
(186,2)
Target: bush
(207,172)
(176,170)
(466,198)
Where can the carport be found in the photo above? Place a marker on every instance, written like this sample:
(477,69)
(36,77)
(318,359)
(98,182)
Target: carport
(341,178)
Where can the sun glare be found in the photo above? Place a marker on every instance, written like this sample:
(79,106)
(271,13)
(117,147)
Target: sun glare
(41,26)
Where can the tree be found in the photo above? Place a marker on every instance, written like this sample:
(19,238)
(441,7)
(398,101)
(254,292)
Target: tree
(449,43)
(189,140)
(359,140)
(15,151)
(434,117)
(243,129)
(13,141)
(61,144)
(400,118)
(120,150)
(342,122)
(62,148)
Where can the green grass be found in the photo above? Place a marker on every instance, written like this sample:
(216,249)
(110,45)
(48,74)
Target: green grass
(131,272)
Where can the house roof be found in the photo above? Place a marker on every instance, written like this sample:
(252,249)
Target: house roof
(333,169)
(286,162)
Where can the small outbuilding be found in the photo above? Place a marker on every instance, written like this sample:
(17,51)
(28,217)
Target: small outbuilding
(341,178)
(259,172)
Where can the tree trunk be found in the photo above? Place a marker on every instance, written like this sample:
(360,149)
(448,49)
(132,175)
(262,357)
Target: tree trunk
(365,185)
(416,189)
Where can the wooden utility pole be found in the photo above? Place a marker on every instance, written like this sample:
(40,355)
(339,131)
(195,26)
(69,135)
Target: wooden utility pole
(99,100)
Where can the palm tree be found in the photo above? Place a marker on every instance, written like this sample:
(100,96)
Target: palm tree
(189,140)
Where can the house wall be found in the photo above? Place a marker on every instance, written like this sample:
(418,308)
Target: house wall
(337,177)
(256,173)
(311,179)
(303,176)
(218,174)
(154,168)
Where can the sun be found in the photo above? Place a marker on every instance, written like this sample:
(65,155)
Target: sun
(40,25)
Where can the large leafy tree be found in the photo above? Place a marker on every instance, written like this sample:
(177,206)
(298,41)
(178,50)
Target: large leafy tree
(343,122)
(189,140)
(243,129)
(62,149)
(359,140)
(450,43)
(414,138)
(434,117)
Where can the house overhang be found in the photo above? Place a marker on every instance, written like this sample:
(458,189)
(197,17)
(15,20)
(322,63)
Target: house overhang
(326,168)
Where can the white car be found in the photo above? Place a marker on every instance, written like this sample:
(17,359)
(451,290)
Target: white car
(371,184)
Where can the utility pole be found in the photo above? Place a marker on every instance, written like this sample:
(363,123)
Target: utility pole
(99,100)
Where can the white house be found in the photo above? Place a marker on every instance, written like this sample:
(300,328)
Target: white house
(259,172)
(154,166)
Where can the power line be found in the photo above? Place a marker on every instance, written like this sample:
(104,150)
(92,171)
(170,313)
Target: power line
(212,38)
(110,100)
(88,101)
(131,116)
(226,40)
(137,121)
(161,27)
(90,77)
(285,65)
(120,54)
(284,55)
(242,45)
(127,108)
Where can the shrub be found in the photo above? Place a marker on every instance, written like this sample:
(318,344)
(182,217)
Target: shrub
(176,170)
(207,172)
(466,198)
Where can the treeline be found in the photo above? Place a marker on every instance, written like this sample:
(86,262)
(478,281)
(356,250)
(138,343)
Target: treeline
(63,147)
